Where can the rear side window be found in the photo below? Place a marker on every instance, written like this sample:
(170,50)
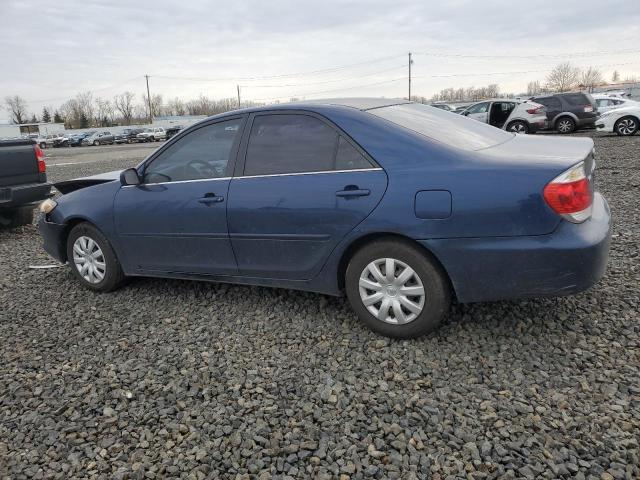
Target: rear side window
(290,144)
(551,103)
(348,158)
(576,99)
(449,128)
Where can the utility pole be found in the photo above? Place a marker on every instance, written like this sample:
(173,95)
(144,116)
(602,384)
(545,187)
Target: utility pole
(238,86)
(410,62)
(149,100)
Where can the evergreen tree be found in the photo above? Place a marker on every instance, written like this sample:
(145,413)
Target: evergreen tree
(84,123)
(57,118)
(34,119)
(46,116)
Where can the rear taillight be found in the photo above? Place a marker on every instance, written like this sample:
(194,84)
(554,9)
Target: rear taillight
(570,194)
(534,110)
(42,167)
(588,108)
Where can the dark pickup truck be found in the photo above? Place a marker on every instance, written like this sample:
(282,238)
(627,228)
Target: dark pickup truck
(23,181)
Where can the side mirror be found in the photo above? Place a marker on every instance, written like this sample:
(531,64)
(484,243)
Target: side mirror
(465,113)
(129,177)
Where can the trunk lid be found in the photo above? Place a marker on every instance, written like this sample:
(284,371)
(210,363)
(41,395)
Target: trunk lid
(18,163)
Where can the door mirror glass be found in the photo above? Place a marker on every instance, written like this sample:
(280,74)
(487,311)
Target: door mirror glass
(130,177)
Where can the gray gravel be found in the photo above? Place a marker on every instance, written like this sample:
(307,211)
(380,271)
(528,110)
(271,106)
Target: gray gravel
(195,380)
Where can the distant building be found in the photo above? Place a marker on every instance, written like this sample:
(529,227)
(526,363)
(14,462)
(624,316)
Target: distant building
(8,130)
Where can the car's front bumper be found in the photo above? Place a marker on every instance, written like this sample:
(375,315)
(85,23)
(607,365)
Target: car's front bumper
(569,260)
(52,236)
(606,123)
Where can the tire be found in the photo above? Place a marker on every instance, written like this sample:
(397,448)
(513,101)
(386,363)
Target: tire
(152,139)
(518,126)
(565,125)
(626,126)
(43,145)
(112,275)
(427,311)
(96,143)
(16,218)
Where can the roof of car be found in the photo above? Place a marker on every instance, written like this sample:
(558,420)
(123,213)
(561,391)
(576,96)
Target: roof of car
(360,103)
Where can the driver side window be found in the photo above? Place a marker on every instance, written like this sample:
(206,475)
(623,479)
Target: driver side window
(202,154)
(479,108)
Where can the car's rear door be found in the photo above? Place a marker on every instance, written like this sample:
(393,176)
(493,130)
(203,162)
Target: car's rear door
(176,220)
(300,186)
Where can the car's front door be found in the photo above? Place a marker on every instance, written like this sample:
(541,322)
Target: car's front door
(175,221)
(479,111)
(303,186)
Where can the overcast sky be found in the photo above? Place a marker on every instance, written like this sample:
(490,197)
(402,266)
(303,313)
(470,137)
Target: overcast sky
(51,50)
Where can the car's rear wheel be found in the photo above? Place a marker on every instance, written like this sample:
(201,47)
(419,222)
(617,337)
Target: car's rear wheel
(396,289)
(518,126)
(626,126)
(96,143)
(565,125)
(43,145)
(92,259)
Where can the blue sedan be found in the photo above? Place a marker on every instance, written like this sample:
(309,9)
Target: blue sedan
(400,205)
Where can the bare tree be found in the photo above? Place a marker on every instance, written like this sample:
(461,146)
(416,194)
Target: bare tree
(124,104)
(590,78)
(156,104)
(176,107)
(563,77)
(534,88)
(17,106)
(104,112)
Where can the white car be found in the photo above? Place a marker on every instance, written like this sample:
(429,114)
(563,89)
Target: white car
(152,135)
(607,102)
(623,121)
(518,116)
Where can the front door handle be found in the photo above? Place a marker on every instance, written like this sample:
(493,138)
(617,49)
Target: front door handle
(352,191)
(210,198)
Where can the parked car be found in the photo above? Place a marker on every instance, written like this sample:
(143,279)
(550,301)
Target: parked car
(75,140)
(443,106)
(460,108)
(513,115)
(623,121)
(98,138)
(62,140)
(45,141)
(128,135)
(568,112)
(401,205)
(23,181)
(171,131)
(606,102)
(152,135)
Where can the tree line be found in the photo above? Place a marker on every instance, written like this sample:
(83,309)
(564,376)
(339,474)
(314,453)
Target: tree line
(85,110)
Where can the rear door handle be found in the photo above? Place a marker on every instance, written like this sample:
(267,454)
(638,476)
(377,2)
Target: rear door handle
(352,191)
(210,198)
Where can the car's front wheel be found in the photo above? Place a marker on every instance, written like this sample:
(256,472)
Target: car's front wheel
(396,289)
(43,145)
(92,259)
(518,127)
(96,143)
(626,126)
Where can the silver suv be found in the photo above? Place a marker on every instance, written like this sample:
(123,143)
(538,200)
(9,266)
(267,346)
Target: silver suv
(519,116)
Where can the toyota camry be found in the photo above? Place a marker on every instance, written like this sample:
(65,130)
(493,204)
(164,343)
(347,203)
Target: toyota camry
(402,206)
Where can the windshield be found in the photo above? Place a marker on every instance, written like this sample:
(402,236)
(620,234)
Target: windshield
(443,126)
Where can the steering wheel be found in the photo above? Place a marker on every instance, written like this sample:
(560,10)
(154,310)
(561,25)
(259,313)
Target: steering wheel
(205,168)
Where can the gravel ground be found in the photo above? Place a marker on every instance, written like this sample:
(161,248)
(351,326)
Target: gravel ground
(195,380)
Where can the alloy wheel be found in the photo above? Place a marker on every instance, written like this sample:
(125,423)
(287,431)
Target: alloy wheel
(518,128)
(627,126)
(391,291)
(89,259)
(565,126)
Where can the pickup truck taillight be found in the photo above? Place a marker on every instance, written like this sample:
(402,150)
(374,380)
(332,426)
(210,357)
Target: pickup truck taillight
(42,167)
(570,194)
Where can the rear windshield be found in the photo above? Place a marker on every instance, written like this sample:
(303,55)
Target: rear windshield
(446,127)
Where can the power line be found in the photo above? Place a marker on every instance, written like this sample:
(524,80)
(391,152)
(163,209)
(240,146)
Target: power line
(542,55)
(328,81)
(284,75)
